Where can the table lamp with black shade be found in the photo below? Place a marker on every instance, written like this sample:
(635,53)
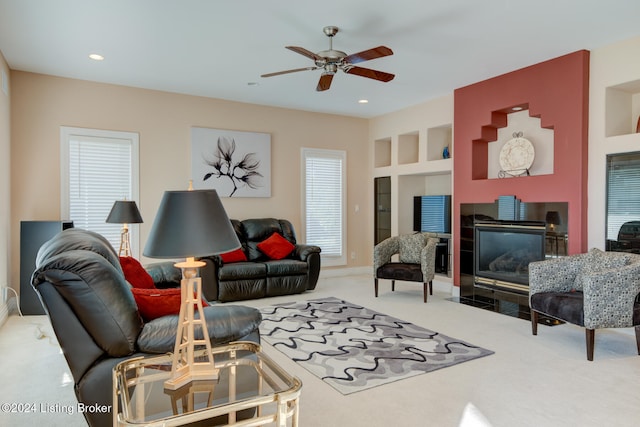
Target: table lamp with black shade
(124,212)
(190,224)
(553,218)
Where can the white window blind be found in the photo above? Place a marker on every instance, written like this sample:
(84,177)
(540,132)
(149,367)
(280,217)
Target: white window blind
(98,168)
(324,202)
(623,191)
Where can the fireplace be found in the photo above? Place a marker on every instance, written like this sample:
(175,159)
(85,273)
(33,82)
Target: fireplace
(503,251)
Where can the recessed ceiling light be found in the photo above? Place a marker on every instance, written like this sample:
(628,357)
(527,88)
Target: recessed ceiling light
(96,57)
(517,108)
(363,101)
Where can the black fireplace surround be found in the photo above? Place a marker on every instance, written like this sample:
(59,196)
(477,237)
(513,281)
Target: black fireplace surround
(492,256)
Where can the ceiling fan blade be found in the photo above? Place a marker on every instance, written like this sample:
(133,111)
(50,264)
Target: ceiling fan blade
(277,73)
(371,74)
(304,52)
(325,82)
(367,55)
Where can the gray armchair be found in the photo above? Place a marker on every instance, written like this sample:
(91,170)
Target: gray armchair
(595,290)
(417,260)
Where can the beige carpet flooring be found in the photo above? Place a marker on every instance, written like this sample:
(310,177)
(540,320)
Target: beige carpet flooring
(529,381)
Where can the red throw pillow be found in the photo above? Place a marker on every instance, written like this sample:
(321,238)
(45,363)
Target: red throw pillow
(233,256)
(135,273)
(276,246)
(154,303)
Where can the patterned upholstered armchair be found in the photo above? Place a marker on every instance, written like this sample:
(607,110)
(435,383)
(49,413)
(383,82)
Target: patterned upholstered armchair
(417,260)
(595,290)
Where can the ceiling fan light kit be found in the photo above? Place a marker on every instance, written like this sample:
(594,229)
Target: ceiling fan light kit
(330,61)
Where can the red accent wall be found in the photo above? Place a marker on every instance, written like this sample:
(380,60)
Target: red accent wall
(556,91)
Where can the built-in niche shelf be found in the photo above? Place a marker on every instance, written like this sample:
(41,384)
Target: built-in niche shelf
(622,108)
(541,138)
(408,148)
(505,125)
(439,138)
(416,148)
(382,152)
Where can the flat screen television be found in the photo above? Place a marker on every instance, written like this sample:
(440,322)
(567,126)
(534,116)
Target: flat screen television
(432,214)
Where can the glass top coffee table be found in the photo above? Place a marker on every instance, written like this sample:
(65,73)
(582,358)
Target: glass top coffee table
(251,390)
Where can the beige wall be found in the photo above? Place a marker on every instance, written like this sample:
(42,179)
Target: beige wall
(41,104)
(5,195)
(616,65)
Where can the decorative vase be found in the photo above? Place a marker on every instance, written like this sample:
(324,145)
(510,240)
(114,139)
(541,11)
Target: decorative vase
(445,152)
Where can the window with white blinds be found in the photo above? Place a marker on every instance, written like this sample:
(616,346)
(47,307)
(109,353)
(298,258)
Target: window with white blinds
(623,193)
(98,167)
(324,190)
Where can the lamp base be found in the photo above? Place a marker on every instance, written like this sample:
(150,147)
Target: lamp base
(125,242)
(187,374)
(184,367)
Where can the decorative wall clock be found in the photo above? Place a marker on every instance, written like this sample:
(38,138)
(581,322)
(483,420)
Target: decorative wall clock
(516,156)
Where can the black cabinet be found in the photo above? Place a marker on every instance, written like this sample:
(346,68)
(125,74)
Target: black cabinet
(32,235)
(442,257)
(382,200)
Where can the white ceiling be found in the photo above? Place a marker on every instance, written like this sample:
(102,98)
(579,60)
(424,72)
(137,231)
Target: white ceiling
(215,48)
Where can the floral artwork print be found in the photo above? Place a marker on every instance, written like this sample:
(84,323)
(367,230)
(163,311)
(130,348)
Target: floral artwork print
(236,164)
(243,172)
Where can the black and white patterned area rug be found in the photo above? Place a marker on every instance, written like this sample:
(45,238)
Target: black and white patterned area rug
(353,348)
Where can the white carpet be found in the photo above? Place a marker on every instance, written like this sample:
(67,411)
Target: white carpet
(530,381)
(35,382)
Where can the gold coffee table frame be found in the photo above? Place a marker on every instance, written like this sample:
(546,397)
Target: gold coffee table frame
(249,381)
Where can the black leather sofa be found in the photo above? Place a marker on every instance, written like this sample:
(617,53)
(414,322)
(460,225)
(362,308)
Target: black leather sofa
(259,276)
(96,320)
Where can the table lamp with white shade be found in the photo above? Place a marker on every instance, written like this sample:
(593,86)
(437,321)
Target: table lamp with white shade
(190,224)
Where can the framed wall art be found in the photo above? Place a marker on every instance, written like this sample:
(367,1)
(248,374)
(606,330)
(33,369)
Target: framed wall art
(234,163)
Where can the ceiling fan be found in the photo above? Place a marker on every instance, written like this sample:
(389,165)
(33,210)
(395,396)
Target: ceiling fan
(330,61)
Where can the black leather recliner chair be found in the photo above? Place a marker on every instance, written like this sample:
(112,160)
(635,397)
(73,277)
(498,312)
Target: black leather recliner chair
(259,276)
(95,317)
